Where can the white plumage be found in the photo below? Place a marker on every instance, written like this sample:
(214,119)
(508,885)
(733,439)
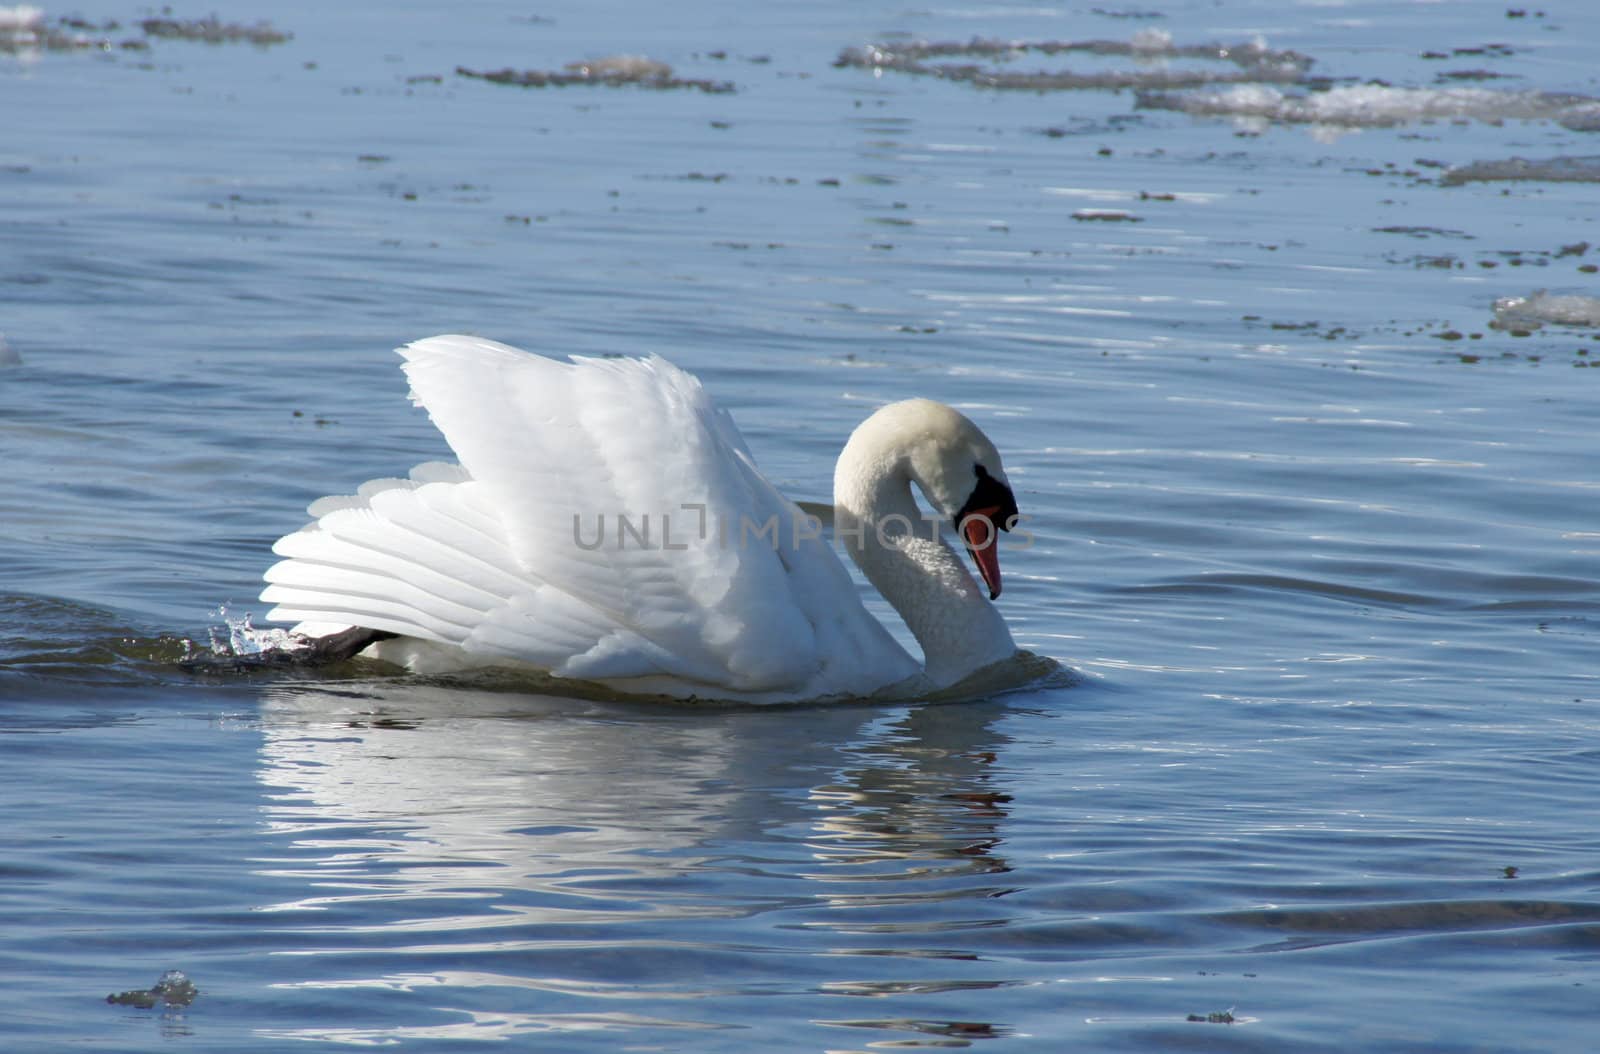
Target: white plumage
(717,587)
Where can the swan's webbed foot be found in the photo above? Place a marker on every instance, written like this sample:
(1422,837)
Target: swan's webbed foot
(300,650)
(337,647)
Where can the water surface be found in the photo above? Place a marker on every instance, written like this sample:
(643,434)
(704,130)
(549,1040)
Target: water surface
(1317,539)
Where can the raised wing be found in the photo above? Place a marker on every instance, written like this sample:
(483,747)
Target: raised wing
(606,522)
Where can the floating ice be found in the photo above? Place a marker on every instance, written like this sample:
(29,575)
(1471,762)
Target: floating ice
(613,71)
(1541,308)
(1253,59)
(212,31)
(23,17)
(1150,41)
(1379,105)
(1547,170)
(622,68)
(24,29)
(20,27)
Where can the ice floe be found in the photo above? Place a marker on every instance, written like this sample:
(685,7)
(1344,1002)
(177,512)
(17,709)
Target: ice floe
(1542,308)
(1251,62)
(612,71)
(1513,169)
(26,30)
(1379,105)
(211,30)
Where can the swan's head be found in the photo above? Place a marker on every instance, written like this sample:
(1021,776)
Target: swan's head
(954,464)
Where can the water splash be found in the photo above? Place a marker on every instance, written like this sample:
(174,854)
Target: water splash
(239,641)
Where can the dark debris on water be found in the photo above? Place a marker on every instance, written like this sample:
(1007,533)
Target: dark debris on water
(1506,324)
(1486,259)
(172,989)
(1216,1017)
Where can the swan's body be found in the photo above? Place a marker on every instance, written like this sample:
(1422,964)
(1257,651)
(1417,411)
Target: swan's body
(606,523)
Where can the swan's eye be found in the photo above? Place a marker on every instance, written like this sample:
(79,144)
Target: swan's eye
(992,497)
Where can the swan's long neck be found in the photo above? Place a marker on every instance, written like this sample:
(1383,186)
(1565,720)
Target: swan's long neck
(900,551)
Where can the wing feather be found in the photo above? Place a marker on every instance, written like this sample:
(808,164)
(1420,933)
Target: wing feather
(605,521)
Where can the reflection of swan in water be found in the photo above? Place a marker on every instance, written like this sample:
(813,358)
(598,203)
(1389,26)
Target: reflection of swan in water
(584,850)
(470,772)
(712,583)
(519,785)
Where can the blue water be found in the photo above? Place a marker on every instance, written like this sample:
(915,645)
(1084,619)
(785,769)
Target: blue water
(1317,541)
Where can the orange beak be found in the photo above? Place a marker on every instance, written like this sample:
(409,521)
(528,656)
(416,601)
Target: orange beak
(982,535)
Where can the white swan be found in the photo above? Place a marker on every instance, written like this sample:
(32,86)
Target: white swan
(606,523)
